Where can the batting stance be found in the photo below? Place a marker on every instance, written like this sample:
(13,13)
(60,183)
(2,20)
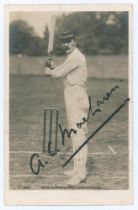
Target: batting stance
(74,73)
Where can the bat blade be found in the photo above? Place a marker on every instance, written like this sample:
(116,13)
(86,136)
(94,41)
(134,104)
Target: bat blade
(51,34)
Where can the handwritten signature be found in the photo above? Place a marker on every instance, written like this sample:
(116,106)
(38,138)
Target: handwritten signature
(36,163)
(97,130)
(68,132)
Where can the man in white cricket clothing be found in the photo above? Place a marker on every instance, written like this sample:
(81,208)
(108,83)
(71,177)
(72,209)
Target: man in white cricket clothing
(74,73)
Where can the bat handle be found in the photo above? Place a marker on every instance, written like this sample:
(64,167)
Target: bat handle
(47,67)
(49,59)
(50,56)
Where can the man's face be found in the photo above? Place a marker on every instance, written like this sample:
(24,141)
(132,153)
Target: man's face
(68,45)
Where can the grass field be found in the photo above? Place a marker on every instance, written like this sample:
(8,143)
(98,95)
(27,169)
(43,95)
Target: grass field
(101,66)
(108,151)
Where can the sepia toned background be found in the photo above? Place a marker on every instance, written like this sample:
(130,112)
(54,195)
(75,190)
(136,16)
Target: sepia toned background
(103,38)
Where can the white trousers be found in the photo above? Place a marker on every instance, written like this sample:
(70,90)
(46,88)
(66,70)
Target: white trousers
(77,104)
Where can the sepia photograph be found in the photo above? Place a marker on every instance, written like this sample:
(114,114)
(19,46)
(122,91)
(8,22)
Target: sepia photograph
(68,104)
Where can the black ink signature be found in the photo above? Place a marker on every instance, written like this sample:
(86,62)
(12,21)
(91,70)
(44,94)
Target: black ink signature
(35,168)
(97,130)
(68,132)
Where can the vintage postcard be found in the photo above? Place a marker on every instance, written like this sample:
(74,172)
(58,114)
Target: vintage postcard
(68,105)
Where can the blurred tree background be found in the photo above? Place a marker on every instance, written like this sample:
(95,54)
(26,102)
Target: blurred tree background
(96,33)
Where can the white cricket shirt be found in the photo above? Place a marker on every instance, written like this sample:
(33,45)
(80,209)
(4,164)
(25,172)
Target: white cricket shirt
(73,70)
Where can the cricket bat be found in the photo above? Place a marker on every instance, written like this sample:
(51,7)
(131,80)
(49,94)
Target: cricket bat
(50,41)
